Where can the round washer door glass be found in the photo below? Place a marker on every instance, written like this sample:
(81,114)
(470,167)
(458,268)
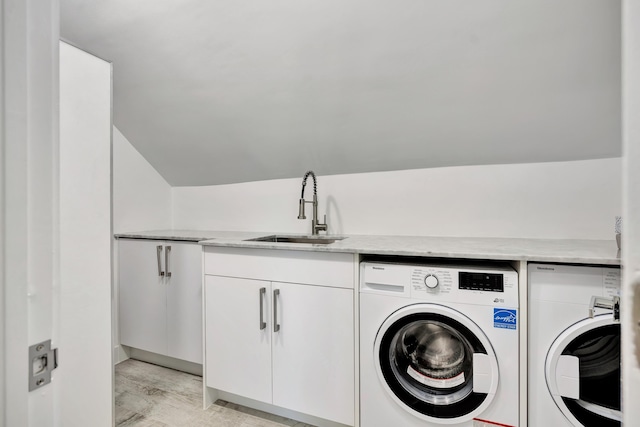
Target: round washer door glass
(425,357)
(589,354)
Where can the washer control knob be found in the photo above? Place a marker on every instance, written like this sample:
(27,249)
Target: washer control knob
(431,281)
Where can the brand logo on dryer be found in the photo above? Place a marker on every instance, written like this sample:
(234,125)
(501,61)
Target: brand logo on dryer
(505,318)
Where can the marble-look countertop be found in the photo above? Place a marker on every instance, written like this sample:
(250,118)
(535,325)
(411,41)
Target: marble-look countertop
(186,235)
(577,251)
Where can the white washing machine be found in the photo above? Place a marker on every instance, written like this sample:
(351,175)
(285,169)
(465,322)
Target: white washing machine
(438,345)
(574,346)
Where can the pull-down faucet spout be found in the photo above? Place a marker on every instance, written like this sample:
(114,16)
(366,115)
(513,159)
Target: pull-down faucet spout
(316,226)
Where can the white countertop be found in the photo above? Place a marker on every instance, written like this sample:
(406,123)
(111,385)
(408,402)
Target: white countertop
(188,235)
(517,249)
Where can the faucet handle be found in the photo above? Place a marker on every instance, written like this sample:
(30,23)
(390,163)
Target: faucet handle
(322,226)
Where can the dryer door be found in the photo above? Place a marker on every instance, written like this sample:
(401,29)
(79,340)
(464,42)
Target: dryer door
(582,370)
(436,363)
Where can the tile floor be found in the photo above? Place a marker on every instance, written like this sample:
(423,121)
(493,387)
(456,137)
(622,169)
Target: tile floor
(152,396)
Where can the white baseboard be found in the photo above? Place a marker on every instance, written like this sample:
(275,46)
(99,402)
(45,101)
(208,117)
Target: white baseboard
(120,354)
(166,361)
(276,410)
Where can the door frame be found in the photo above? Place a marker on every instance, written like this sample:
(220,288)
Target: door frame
(35,307)
(630,315)
(28,195)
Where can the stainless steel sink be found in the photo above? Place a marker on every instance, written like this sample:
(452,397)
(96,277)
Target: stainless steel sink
(314,240)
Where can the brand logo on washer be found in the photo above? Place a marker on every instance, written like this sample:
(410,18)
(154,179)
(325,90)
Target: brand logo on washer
(505,318)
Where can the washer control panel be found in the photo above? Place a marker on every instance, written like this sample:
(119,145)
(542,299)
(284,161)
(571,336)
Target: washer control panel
(433,280)
(493,284)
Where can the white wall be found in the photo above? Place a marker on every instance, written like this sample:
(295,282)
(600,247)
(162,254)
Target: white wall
(141,201)
(85,377)
(576,199)
(141,197)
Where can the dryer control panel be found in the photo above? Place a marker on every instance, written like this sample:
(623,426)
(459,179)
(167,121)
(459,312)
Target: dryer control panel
(473,284)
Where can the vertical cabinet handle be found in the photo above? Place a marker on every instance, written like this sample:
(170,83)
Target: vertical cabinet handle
(276,325)
(167,257)
(159,252)
(261,295)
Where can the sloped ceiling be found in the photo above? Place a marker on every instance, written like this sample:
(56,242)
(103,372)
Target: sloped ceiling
(214,92)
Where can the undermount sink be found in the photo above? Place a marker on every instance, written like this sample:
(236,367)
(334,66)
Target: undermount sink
(314,240)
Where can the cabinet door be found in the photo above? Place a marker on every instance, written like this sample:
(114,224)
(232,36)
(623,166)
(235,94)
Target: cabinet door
(313,352)
(142,296)
(184,301)
(238,343)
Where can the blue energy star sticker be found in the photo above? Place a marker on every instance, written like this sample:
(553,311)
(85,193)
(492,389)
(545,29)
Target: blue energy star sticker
(505,318)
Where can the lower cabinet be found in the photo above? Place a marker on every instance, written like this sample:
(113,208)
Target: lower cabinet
(287,344)
(238,356)
(313,352)
(160,297)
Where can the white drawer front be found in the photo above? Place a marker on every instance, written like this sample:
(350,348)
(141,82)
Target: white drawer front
(313,268)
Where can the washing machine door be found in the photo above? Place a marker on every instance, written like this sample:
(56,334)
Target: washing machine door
(582,370)
(436,363)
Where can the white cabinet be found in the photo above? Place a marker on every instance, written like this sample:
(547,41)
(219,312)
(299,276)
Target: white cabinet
(142,297)
(283,343)
(313,351)
(160,297)
(184,301)
(238,359)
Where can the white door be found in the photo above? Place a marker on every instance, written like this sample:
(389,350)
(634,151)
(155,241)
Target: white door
(238,336)
(582,372)
(184,301)
(436,363)
(313,351)
(56,231)
(631,212)
(142,295)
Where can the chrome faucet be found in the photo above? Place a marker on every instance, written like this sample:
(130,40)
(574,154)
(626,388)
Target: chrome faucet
(315,225)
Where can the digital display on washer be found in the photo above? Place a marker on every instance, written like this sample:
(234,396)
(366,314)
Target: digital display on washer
(481,281)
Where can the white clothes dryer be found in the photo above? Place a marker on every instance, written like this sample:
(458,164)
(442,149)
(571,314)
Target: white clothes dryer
(438,345)
(574,346)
